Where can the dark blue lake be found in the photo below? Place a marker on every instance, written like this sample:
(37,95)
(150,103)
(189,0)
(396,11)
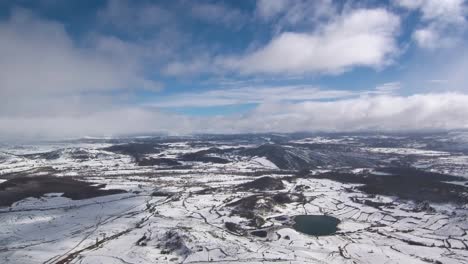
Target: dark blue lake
(316,225)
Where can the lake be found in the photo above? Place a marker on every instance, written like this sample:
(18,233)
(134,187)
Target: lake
(316,225)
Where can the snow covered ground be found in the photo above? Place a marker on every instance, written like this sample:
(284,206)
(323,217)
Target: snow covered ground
(204,212)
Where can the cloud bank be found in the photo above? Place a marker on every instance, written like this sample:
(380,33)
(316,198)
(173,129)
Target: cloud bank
(367,113)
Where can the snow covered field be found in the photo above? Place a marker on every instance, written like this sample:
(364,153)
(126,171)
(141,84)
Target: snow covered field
(200,200)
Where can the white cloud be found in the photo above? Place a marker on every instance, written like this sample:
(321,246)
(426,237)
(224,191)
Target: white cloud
(260,94)
(427,38)
(356,38)
(438,81)
(431,38)
(38,57)
(368,113)
(443,21)
(131,16)
(114,121)
(363,37)
(43,72)
(218,14)
(410,4)
(295,12)
(388,87)
(385,113)
(267,9)
(250,95)
(449,11)
(197,65)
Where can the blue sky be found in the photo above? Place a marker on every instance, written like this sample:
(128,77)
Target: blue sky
(72,68)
